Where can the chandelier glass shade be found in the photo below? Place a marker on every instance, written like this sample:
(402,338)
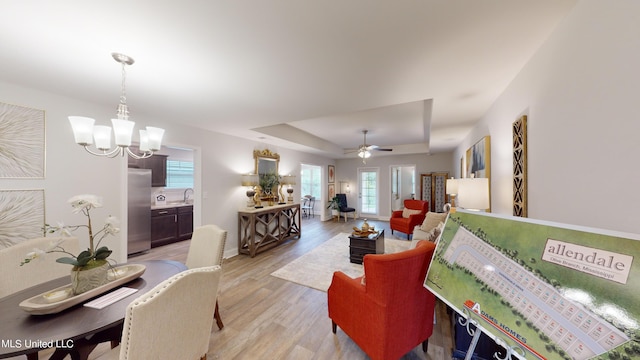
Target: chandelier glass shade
(86,133)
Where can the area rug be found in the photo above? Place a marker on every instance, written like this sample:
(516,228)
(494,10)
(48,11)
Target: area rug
(315,268)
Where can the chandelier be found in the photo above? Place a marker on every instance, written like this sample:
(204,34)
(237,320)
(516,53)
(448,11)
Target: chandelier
(86,134)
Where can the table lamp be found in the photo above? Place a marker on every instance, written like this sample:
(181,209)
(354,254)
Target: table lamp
(473,193)
(251,181)
(289,181)
(452,190)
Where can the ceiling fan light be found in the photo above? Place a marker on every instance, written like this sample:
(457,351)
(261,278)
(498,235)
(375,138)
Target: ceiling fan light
(365,154)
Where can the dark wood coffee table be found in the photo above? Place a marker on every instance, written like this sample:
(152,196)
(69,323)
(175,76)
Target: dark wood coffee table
(360,246)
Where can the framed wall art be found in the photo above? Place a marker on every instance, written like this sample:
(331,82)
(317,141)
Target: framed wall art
(332,191)
(331,174)
(21,216)
(478,159)
(22,142)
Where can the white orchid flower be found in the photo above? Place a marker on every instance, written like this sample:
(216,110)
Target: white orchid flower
(111,225)
(86,201)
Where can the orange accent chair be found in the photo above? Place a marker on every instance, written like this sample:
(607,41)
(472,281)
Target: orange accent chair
(406,224)
(387,312)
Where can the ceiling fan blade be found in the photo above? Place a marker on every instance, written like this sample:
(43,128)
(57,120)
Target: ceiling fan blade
(382,149)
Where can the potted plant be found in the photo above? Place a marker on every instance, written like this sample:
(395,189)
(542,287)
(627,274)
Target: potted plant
(334,205)
(89,266)
(268,182)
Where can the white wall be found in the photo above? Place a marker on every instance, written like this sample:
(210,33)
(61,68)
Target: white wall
(347,170)
(220,159)
(69,169)
(580,93)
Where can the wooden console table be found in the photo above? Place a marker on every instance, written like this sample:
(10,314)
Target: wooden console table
(262,229)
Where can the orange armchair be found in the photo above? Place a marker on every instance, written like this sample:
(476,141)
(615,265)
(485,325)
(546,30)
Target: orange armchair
(412,215)
(391,312)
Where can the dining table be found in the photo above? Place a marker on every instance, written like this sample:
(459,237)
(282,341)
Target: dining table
(78,329)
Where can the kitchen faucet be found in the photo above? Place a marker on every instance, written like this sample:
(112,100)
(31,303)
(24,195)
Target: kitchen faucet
(186,196)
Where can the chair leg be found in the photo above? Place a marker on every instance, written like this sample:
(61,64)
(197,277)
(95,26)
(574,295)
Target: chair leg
(216,315)
(334,326)
(425,345)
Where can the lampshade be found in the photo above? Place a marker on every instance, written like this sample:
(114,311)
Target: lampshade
(144,141)
(452,186)
(288,180)
(82,129)
(123,129)
(102,136)
(250,180)
(155,137)
(473,193)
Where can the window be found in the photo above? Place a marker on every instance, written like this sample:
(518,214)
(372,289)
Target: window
(179,174)
(310,180)
(368,191)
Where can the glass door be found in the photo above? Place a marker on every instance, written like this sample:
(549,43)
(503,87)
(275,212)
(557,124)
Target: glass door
(369,201)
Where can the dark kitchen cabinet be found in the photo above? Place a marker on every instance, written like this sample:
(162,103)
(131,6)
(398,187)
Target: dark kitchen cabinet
(171,224)
(185,222)
(164,226)
(158,166)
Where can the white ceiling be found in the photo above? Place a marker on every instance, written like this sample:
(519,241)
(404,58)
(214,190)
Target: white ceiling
(307,75)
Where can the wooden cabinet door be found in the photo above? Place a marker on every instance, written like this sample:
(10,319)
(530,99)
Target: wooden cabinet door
(164,226)
(185,222)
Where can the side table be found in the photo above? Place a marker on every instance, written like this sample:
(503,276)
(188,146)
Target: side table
(360,246)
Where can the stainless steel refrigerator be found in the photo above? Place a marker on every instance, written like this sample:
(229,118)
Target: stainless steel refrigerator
(139,213)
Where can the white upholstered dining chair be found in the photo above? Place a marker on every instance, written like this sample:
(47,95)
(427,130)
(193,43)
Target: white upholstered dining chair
(14,277)
(173,320)
(206,249)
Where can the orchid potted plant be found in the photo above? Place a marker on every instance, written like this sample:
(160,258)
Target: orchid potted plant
(91,263)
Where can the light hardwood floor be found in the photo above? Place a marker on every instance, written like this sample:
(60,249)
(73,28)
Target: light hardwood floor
(270,318)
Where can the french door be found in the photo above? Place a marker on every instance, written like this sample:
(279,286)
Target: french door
(368,191)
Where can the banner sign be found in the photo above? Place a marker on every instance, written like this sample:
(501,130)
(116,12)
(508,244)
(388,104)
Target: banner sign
(542,290)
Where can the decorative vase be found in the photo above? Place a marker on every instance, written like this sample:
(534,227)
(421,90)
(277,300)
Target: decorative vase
(365,226)
(85,280)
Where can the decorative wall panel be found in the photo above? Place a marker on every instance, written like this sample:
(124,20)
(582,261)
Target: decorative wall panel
(433,189)
(22,142)
(520,167)
(21,216)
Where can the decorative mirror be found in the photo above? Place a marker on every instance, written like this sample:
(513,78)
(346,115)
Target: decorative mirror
(267,167)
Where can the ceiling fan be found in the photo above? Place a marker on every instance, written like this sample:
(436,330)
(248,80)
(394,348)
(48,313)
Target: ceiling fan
(364,150)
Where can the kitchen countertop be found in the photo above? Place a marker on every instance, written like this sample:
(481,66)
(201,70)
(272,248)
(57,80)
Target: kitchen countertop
(171,205)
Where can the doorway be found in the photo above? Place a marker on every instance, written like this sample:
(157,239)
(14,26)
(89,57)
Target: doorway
(403,185)
(311,187)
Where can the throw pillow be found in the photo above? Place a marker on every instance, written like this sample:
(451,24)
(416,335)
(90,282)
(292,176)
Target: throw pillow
(408,212)
(435,232)
(432,220)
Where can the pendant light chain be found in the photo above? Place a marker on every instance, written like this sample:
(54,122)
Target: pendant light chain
(123,110)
